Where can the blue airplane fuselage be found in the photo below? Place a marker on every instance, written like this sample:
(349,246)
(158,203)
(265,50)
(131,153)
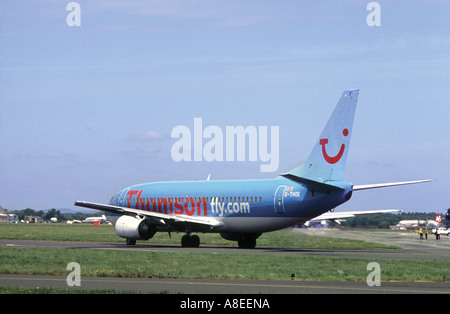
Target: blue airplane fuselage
(267,205)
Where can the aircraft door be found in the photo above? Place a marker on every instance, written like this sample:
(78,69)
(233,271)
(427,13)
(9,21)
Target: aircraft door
(278,200)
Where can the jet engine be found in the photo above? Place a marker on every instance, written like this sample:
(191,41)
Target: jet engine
(133,228)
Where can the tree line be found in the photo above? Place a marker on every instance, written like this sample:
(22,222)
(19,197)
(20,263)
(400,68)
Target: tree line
(383,221)
(46,215)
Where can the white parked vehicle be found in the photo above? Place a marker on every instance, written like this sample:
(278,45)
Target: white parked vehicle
(441,230)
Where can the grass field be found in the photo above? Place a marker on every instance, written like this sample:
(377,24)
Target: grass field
(104,263)
(200,265)
(106,233)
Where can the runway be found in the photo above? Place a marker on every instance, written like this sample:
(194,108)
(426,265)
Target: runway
(411,248)
(410,253)
(229,287)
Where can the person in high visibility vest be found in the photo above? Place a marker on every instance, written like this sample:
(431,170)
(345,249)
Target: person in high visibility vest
(421,233)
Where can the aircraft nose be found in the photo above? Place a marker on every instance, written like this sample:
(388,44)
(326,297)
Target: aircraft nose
(115,199)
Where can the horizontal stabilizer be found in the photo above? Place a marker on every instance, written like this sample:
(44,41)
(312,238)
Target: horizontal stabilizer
(384,185)
(317,186)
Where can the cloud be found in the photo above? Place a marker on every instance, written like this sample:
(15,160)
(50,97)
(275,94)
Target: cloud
(144,151)
(147,137)
(48,155)
(149,144)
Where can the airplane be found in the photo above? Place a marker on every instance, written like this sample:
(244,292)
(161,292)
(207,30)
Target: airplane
(414,223)
(337,216)
(100,219)
(241,210)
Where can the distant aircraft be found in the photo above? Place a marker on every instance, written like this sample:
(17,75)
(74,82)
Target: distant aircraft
(93,219)
(337,216)
(241,210)
(414,223)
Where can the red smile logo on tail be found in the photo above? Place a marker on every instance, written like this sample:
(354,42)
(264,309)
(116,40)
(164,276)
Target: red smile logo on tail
(334,159)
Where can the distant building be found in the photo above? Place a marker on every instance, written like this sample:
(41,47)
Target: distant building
(33,219)
(4,218)
(7,218)
(3,215)
(13,218)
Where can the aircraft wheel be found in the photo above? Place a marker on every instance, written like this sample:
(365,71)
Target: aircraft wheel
(195,241)
(190,241)
(131,242)
(247,242)
(185,241)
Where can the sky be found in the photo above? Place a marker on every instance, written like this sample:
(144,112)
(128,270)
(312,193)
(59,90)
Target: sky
(88,110)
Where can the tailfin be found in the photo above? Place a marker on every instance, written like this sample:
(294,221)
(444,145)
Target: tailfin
(328,158)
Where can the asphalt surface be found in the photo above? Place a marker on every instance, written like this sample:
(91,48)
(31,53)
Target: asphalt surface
(412,248)
(230,287)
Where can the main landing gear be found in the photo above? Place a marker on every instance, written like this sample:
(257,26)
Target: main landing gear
(189,240)
(247,241)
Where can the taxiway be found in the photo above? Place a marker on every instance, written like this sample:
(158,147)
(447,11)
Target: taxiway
(411,248)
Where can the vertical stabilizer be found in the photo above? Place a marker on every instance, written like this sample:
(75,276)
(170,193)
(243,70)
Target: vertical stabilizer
(329,156)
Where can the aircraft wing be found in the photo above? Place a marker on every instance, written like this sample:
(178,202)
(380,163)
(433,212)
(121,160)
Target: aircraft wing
(342,215)
(159,217)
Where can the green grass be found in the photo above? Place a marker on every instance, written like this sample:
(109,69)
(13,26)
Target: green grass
(106,233)
(58,232)
(106,263)
(182,264)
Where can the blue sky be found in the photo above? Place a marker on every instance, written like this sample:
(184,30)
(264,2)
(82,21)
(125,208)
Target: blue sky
(86,111)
